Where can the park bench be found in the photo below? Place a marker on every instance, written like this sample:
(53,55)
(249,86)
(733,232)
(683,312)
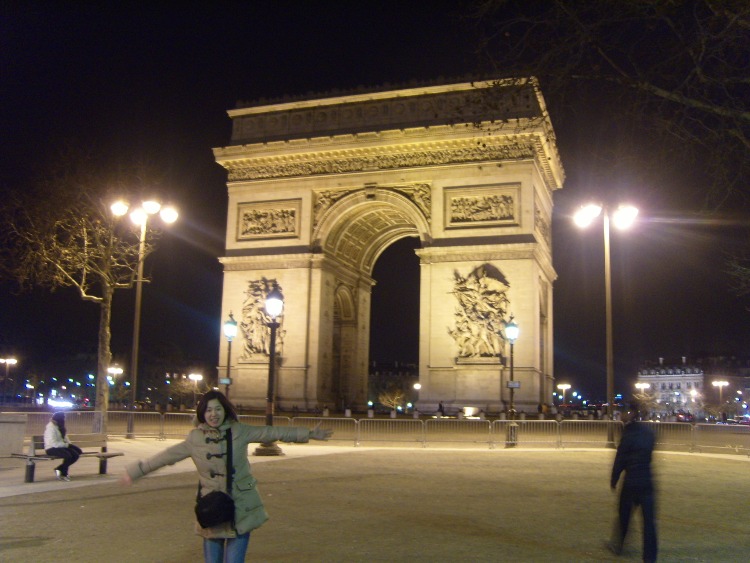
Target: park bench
(93,445)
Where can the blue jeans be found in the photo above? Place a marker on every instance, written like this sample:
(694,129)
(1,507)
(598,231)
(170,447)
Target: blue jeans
(230,550)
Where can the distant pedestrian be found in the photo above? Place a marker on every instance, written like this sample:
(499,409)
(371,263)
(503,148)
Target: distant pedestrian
(216,420)
(634,458)
(57,443)
(441,408)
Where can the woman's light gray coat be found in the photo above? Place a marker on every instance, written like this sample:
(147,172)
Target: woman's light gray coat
(207,447)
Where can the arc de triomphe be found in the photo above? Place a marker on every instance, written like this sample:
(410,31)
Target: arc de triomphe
(318,189)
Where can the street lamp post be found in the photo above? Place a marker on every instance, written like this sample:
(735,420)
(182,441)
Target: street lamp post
(274,308)
(8,362)
(623,217)
(113,372)
(195,378)
(140,217)
(511,333)
(563,387)
(643,400)
(230,331)
(720,385)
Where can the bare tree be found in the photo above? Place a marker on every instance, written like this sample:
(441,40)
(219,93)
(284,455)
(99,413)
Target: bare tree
(119,392)
(393,397)
(677,68)
(739,272)
(60,232)
(657,91)
(647,402)
(181,386)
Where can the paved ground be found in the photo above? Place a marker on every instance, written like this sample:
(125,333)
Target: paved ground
(341,504)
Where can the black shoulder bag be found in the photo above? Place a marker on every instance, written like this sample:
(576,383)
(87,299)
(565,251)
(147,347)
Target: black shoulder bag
(217,507)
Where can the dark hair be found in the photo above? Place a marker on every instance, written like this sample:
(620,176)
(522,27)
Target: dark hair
(59,418)
(230,412)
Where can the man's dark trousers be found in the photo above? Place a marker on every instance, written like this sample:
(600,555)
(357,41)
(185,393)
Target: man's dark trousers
(643,497)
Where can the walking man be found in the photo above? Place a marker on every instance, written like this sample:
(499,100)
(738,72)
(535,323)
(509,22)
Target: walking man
(634,458)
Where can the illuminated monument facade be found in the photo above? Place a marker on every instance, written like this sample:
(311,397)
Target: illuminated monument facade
(318,189)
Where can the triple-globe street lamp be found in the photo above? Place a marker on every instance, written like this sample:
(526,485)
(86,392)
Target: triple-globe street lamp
(622,217)
(140,217)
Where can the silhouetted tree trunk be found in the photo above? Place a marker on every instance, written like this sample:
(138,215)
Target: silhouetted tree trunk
(61,232)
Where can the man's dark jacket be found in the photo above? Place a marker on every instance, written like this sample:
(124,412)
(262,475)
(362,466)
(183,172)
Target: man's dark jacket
(634,457)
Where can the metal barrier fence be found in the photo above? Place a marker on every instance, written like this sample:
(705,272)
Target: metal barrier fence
(589,433)
(144,424)
(392,431)
(457,433)
(526,433)
(721,438)
(344,429)
(76,422)
(176,425)
(432,432)
(260,420)
(676,436)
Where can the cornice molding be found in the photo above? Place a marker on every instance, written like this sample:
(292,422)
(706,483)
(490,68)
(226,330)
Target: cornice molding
(269,261)
(244,165)
(533,251)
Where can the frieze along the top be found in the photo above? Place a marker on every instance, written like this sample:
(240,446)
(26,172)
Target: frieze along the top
(463,103)
(352,161)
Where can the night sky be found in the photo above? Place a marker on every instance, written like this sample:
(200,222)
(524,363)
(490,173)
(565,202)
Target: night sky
(156,80)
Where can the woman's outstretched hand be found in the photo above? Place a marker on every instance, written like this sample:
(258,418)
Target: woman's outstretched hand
(319,433)
(126,480)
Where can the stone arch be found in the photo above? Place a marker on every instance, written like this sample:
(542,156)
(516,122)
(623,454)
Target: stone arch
(354,232)
(345,306)
(344,330)
(319,189)
(361,225)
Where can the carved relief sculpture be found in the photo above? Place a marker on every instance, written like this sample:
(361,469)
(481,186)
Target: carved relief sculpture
(481,312)
(267,219)
(254,324)
(380,161)
(420,194)
(481,206)
(542,225)
(325,199)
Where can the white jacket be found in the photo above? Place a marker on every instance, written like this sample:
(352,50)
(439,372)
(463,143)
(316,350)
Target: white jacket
(53,438)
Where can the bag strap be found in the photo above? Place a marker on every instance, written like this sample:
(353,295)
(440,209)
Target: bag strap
(229,461)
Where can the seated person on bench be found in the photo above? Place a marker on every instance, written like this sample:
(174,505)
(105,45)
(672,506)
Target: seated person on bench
(57,444)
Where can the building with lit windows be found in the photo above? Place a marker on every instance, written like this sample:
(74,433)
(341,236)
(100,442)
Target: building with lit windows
(675,387)
(686,386)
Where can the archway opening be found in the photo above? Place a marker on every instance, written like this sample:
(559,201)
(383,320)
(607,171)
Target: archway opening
(394,319)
